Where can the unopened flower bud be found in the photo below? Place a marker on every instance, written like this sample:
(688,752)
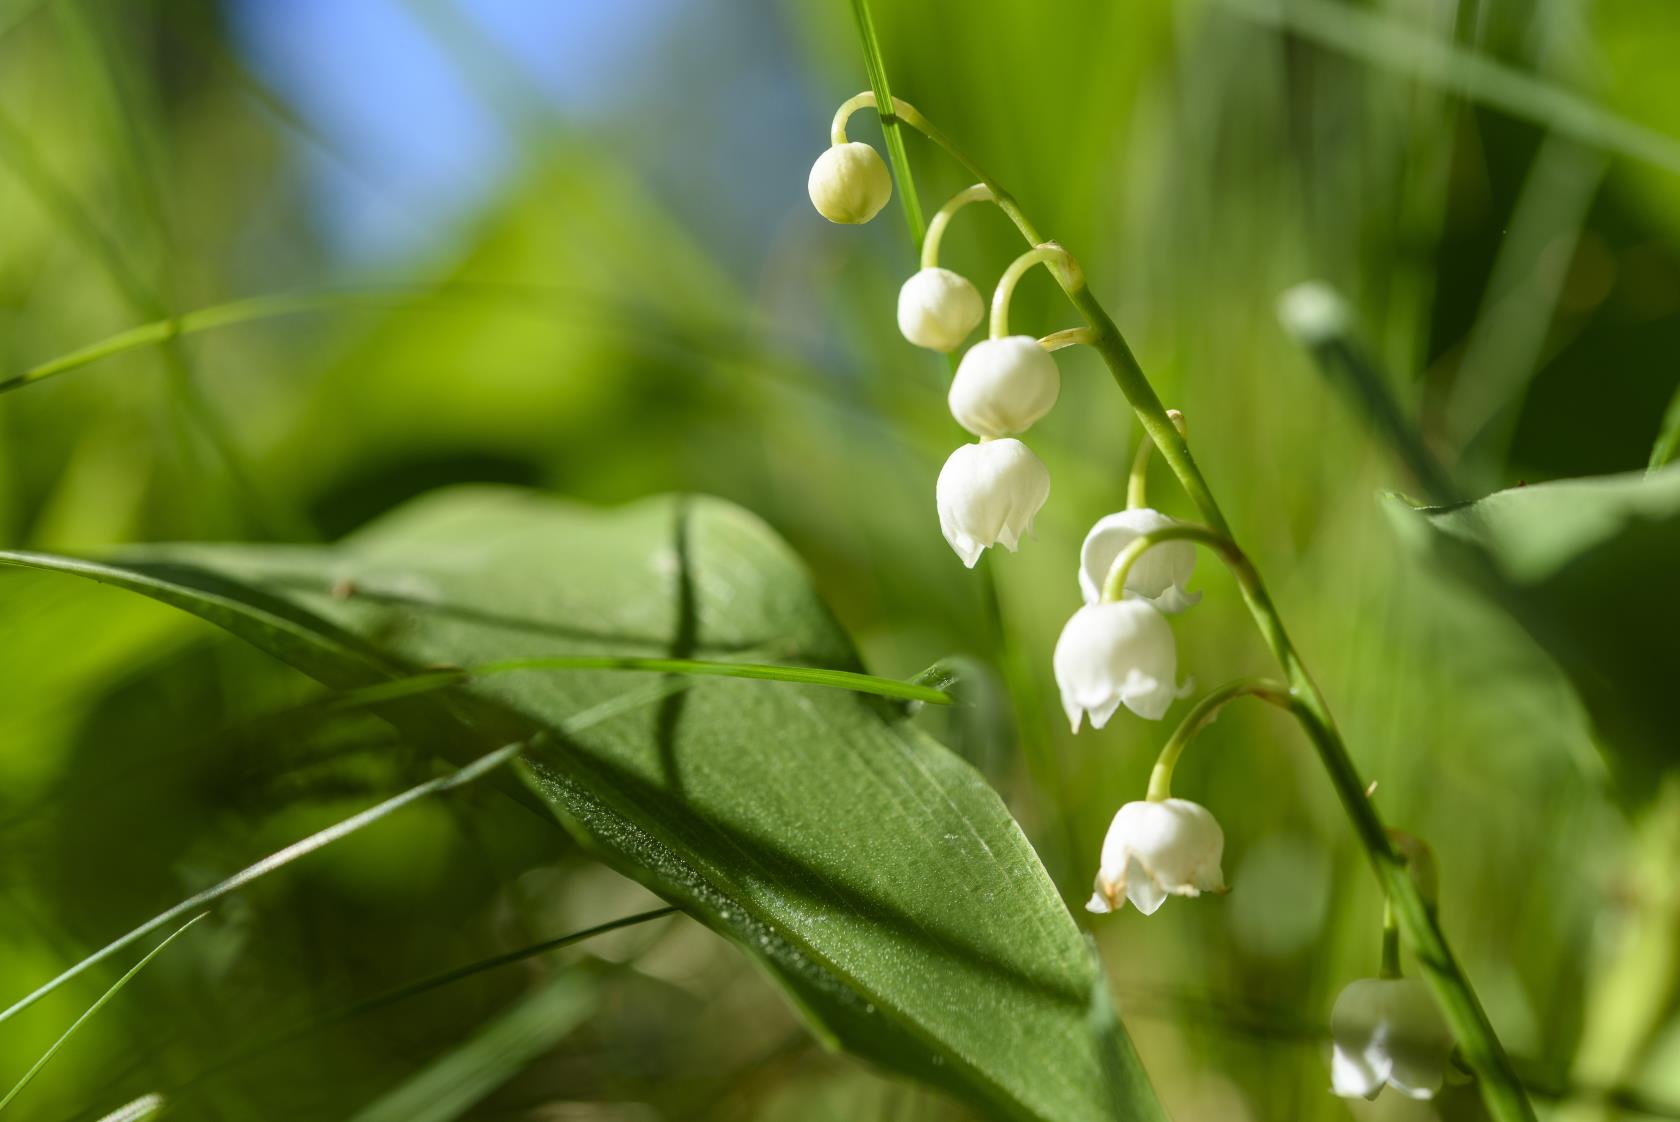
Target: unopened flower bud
(988,494)
(1004,385)
(938,308)
(1114,653)
(849,183)
(1388,1031)
(1159,574)
(1158,849)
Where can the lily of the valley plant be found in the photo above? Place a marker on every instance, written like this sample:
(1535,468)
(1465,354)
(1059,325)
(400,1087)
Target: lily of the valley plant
(1117,649)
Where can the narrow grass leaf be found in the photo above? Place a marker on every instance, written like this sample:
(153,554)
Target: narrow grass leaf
(142,1108)
(273,861)
(892,130)
(91,1010)
(459,1080)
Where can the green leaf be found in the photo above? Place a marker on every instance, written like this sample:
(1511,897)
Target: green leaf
(1588,567)
(456,1082)
(871,871)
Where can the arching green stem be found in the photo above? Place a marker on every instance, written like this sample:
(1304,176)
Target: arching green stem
(1501,1090)
(1137,481)
(979,193)
(1200,716)
(1114,585)
(1050,255)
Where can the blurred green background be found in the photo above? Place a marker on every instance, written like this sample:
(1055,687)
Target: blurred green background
(568,245)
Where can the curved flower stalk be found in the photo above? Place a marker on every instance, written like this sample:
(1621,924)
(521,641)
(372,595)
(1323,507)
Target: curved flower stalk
(938,308)
(1501,1090)
(1159,576)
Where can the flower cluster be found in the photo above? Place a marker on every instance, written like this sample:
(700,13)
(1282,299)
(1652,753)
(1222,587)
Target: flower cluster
(1118,648)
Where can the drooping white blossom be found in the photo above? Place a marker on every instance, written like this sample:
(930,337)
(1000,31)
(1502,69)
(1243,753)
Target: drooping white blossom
(988,494)
(938,308)
(849,183)
(1114,653)
(1004,385)
(1388,1032)
(1158,849)
(1159,575)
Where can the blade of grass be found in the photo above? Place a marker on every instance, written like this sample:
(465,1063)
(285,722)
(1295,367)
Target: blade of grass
(478,768)
(61,204)
(1505,348)
(458,1080)
(891,129)
(1320,321)
(763,671)
(399,994)
(1667,447)
(94,1008)
(142,1108)
(1390,44)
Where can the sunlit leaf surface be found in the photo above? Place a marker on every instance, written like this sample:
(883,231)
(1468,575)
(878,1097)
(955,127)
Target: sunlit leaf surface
(874,873)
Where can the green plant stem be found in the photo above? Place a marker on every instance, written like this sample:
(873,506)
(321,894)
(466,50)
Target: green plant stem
(1200,716)
(1137,480)
(979,193)
(1114,584)
(1501,1090)
(1390,942)
(1052,257)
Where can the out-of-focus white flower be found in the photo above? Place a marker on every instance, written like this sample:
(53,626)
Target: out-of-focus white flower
(1158,849)
(938,308)
(1313,312)
(1158,576)
(1114,653)
(987,494)
(1388,1031)
(1004,385)
(849,183)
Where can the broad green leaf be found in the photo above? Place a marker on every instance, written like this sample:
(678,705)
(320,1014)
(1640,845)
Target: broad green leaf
(870,870)
(1589,568)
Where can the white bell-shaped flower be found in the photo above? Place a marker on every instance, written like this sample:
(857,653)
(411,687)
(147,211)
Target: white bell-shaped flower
(1388,1031)
(988,494)
(849,183)
(1158,849)
(1159,575)
(938,308)
(1114,653)
(1004,385)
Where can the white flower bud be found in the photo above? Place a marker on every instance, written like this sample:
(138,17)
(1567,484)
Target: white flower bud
(988,494)
(1114,653)
(938,308)
(1158,576)
(1158,849)
(1388,1031)
(1004,385)
(849,183)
